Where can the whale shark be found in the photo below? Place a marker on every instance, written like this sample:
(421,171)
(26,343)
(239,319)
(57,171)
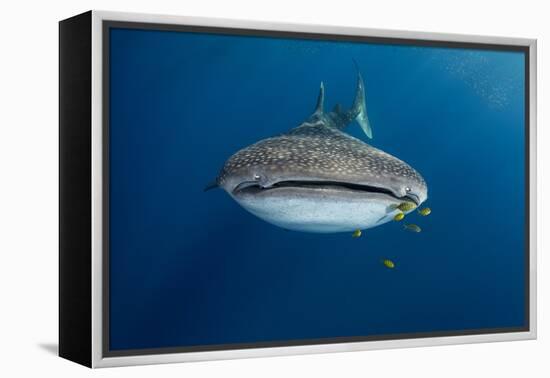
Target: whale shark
(318,178)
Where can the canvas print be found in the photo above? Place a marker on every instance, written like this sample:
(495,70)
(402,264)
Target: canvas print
(278,190)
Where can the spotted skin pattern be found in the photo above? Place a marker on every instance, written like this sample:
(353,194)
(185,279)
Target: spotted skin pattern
(321,152)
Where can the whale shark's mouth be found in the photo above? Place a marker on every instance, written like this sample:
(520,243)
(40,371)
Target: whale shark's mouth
(252,187)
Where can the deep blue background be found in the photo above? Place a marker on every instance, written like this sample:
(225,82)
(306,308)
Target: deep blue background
(193,268)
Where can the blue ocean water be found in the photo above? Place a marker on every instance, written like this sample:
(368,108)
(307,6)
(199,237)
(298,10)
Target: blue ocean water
(191,268)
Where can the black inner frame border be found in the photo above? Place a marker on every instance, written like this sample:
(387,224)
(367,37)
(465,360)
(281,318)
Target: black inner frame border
(107,25)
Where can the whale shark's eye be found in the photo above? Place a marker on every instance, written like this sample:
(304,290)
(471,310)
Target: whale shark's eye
(257,177)
(407,189)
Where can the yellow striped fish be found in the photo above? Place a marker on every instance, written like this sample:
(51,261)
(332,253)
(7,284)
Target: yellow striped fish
(406,206)
(399,217)
(425,211)
(412,227)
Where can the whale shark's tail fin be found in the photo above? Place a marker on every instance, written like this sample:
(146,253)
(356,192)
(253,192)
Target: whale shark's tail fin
(339,118)
(320,100)
(357,112)
(359,108)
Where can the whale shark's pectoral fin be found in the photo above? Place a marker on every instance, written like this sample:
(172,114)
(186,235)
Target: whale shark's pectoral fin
(359,109)
(320,100)
(210,186)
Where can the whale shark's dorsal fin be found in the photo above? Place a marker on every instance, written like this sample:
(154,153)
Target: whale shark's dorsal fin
(337,108)
(320,100)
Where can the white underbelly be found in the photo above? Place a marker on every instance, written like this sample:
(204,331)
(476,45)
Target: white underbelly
(322,213)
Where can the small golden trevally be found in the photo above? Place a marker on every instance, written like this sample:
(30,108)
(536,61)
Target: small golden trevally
(356,233)
(406,206)
(412,227)
(388,263)
(425,211)
(399,217)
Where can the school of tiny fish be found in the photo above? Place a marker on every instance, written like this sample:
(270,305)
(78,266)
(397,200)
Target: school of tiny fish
(404,206)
